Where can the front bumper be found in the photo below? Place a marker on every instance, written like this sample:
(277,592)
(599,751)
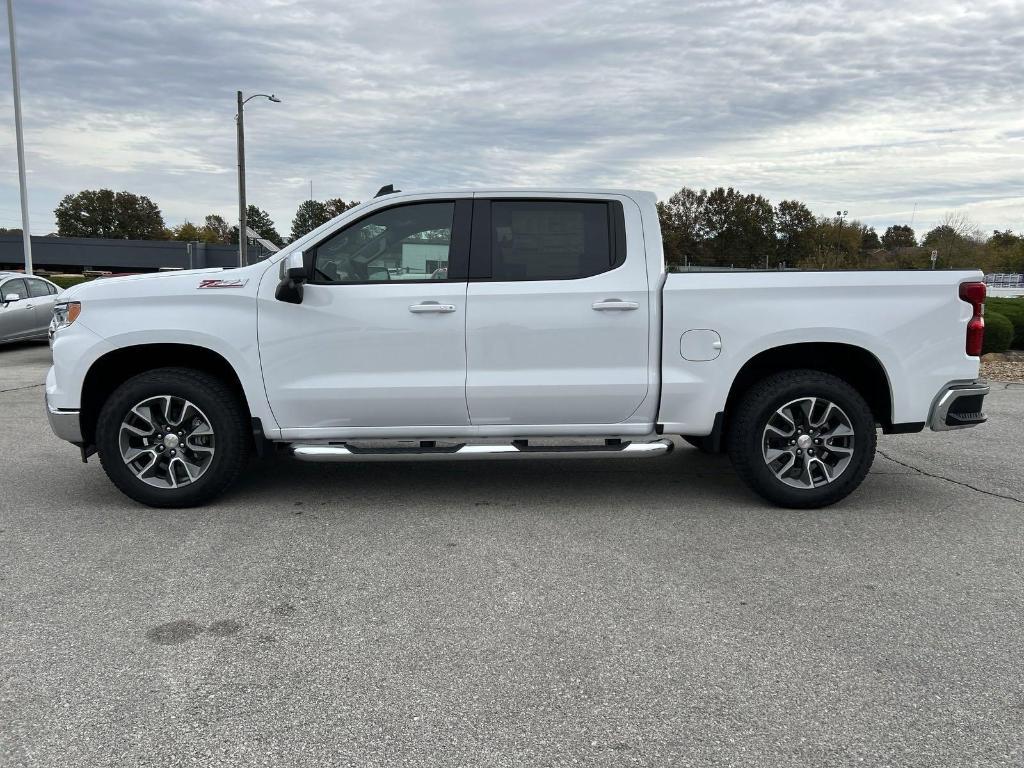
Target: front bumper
(65,424)
(958,406)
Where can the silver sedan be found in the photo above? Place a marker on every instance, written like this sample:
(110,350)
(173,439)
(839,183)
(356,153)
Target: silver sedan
(26,306)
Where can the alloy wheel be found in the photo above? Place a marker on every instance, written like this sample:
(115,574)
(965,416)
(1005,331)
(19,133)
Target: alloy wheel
(808,442)
(166,441)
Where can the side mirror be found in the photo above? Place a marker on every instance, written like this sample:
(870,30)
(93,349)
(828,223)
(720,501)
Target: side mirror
(290,289)
(11,297)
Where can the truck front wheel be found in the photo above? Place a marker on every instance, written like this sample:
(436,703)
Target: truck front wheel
(802,439)
(172,437)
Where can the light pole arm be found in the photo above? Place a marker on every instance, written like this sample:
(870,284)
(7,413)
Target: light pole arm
(270,96)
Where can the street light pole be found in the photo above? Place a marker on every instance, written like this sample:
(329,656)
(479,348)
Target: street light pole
(26,235)
(243,241)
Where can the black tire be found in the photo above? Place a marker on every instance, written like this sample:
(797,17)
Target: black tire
(227,417)
(750,419)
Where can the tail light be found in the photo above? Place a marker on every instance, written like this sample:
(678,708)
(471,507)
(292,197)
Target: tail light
(974,294)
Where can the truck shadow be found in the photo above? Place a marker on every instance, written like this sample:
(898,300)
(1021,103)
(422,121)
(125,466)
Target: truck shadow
(472,484)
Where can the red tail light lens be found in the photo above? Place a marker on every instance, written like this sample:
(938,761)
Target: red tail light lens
(974,294)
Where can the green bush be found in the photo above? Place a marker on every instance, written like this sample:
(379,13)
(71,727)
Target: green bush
(66,281)
(998,333)
(1012,310)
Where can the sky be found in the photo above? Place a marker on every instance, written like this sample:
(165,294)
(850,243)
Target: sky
(897,112)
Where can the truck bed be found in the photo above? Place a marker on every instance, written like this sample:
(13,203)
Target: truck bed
(913,323)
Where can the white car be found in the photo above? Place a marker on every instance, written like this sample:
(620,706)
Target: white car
(26,306)
(518,316)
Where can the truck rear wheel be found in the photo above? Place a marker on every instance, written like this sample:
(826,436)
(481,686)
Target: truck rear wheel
(802,439)
(172,437)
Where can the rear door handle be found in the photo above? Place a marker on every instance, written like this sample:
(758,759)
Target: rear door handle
(431,306)
(614,304)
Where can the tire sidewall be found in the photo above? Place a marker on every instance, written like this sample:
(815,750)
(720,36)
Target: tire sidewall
(777,394)
(208,399)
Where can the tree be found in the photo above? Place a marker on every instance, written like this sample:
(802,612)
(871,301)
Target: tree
(837,244)
(186,231)
(7,231)
(1000,239)
(1005,252)
(216,230)
(260,222)
(718,228)
(740,229)
(102,213)
(957,239)
(312,213)
(898,236)
(682,240)
(869,240)
(336,206)
(941,235)
(794,224)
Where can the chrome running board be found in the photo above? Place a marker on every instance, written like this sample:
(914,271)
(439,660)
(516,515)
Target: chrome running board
(463,452)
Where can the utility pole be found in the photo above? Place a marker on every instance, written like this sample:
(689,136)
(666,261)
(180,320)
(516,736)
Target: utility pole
(243,228)
(243,241)
(26,234)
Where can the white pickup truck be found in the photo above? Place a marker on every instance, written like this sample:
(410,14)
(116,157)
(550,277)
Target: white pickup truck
(507,325)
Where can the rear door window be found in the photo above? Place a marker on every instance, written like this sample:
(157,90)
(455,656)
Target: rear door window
(37,288)
(550,239)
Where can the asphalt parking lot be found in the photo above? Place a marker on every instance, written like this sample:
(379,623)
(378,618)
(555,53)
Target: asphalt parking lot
(534,613)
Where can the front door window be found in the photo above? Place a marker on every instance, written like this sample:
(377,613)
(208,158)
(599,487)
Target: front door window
(409,242)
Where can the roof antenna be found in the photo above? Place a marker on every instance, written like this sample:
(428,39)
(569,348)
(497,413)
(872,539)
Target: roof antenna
(387,189)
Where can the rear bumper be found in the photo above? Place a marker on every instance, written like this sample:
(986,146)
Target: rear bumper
(65,424)
(958,406)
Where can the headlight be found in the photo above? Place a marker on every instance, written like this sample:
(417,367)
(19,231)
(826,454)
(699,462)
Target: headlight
(64,314)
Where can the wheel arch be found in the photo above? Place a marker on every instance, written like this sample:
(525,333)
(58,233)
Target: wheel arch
(857,366)
(117,366)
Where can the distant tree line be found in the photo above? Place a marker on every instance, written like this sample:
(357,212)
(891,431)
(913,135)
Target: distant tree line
(725,228)
(718,228)
(127,216)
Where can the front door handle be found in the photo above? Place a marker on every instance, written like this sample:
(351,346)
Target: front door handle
(614,304)
(431,306)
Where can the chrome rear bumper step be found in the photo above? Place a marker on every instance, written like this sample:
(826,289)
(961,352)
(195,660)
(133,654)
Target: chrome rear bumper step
(343,452)
(959,406)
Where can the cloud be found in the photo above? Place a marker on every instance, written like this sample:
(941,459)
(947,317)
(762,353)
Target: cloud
(870,107)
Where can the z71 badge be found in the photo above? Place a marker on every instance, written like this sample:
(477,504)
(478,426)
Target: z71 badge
(223,283)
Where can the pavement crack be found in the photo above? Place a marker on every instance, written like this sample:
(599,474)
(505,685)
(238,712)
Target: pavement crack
(949,479)
(18,389)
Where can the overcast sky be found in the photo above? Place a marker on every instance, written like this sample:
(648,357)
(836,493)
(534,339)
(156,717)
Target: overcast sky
(866,106)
